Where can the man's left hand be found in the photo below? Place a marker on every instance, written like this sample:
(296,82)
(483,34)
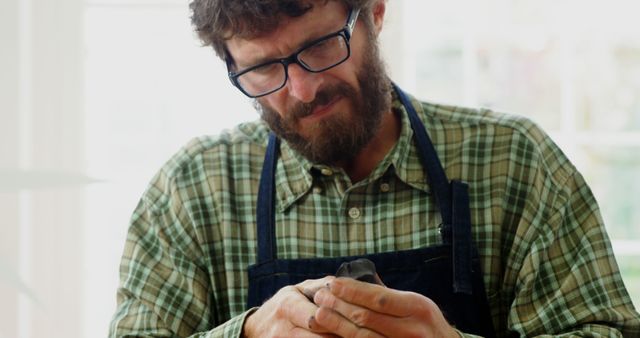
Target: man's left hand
(350,308)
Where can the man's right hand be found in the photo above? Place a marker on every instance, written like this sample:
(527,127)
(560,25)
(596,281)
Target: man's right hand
(289,313)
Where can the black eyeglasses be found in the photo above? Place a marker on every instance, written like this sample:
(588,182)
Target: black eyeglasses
(316,56)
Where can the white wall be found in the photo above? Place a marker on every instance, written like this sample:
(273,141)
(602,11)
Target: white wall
(42,146)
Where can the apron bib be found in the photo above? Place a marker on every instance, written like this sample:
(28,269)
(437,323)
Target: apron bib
(449,273)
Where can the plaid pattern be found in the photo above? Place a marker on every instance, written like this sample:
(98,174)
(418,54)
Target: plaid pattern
(548,264)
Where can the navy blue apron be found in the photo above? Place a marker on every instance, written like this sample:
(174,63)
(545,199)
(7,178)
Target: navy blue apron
(449,273)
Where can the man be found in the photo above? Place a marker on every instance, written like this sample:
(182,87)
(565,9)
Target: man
(476,221)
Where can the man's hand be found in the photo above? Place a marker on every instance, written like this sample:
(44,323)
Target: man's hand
(288,313)
(349,308)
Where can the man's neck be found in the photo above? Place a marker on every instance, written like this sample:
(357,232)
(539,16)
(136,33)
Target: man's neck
(370,156)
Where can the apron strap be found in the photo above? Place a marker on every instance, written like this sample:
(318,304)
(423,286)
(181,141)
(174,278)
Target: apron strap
(452,199)
(461,233)
(266,230)
(435,174)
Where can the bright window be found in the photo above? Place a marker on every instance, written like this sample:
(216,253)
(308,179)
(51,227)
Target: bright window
(571,66)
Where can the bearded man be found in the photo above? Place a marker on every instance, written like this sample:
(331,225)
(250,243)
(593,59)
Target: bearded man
(476,222)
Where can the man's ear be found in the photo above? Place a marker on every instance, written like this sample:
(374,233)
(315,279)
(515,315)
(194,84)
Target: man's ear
(378,11)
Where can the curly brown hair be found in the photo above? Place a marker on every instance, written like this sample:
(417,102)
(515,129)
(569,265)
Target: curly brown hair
(218,20)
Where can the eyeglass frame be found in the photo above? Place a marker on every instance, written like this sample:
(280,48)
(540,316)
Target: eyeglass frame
(346,32)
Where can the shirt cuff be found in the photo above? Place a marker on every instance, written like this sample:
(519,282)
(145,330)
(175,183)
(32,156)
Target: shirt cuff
(232,327)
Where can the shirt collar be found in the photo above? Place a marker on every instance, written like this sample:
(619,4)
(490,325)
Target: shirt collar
(295,177)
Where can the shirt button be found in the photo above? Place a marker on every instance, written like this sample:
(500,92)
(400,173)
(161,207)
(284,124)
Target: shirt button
(354,213)
(384,187)
(326,171)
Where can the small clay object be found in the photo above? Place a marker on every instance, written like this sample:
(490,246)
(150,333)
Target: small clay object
(360,269)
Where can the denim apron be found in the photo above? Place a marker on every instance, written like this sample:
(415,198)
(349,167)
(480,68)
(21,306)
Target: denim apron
(448,273)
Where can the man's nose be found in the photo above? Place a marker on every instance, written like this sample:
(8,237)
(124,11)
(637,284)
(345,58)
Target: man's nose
(302,84)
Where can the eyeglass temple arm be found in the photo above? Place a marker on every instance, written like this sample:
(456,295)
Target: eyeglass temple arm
(351,21)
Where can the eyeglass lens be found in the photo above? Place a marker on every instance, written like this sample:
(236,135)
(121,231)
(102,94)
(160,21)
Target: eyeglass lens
(317,57)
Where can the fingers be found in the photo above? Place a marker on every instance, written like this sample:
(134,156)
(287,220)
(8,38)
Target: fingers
(302,311)
(288,313)
(351,308)
(341,326)
(358,316)
(311,286)
(375,297)
(315,283)
(297,308)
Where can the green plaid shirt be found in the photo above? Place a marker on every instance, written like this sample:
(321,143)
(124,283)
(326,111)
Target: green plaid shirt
(547,261)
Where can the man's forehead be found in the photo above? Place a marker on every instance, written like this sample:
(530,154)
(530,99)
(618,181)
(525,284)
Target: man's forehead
(290,34)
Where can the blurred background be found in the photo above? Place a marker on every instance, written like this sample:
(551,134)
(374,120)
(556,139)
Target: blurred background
(95,95)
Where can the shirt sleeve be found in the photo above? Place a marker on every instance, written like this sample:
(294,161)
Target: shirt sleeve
(566,281)
(165,287)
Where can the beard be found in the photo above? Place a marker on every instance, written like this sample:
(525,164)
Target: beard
(340,137)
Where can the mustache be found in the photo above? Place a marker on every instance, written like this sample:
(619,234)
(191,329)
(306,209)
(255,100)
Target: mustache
(301,109)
